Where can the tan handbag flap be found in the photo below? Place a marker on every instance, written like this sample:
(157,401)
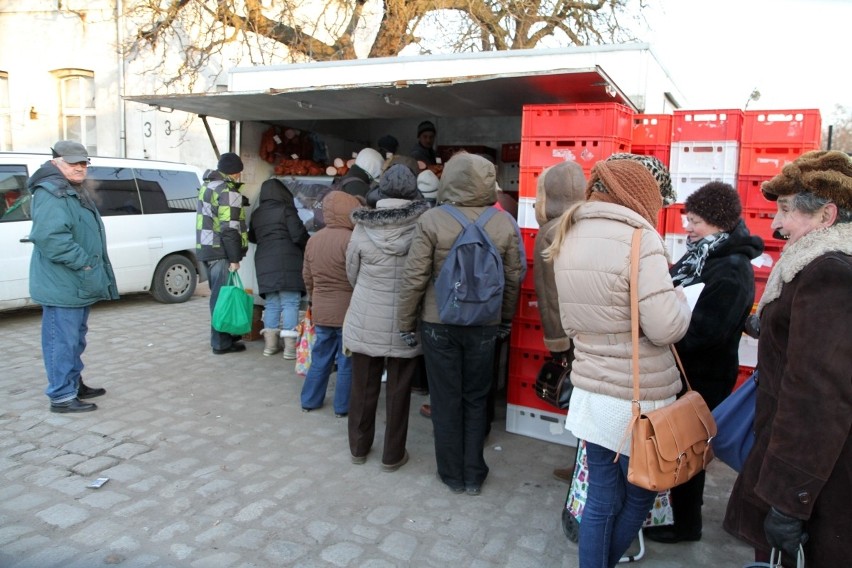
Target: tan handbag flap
(673,441)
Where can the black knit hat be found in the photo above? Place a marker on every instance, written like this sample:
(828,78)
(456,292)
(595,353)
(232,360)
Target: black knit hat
(230,163)
(717,203)
(425,126)
(387,144)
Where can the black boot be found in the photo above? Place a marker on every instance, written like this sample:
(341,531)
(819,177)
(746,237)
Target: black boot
(73,405)
(88,392)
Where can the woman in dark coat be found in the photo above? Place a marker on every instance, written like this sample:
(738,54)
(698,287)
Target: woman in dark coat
(719,254)
(797,479)
(281,238)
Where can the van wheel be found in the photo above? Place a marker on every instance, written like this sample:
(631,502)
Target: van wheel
(174,280)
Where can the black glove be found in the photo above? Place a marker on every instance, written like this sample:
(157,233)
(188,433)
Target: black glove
(784,533)
(409,337)
(752,326)
(504,329)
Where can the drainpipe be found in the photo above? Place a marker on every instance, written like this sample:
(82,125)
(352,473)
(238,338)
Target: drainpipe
(122,118)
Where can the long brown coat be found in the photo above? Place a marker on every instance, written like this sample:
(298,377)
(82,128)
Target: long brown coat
(324,268)
(801,463)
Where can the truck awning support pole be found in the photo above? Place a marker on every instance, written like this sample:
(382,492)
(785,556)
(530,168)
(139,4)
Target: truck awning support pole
(203,118)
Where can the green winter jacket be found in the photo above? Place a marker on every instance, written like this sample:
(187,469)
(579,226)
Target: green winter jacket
(69,267)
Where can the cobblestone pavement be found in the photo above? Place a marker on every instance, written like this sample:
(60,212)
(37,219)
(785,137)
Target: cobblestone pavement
(212,464)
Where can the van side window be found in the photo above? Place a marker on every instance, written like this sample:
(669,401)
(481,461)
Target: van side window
(15,198)
(113,190)
(179,187)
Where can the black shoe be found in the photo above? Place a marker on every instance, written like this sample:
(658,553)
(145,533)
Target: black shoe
(88,392)
(73,405)
(671,535)
(234,348)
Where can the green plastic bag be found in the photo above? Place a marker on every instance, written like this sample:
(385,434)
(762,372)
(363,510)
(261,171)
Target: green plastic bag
(234,308)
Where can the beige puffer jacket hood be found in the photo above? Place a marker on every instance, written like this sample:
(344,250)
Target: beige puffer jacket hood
(592,272)
(468,182)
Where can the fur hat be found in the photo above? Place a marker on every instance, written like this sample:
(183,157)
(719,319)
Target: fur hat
(398,181)
(371,162)
(627,183)
(657,169)
(427,183)
(425,126)
(229,163)
(826,174)
(717,203)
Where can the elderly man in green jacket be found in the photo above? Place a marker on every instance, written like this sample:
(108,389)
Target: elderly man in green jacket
(69,271)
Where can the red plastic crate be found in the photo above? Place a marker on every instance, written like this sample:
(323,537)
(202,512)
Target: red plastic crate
(673,222)
(526,334)
(759,223)
(528,236)
(543,152)
(751,197)
(742,376)
(662,153)
(528,307)
(693,125)
(577,120)
(765,160)
(528,181)
(651,130)
(510,152)
(772,248)
(796,127)
(526,364)
(520,391)
(759,288)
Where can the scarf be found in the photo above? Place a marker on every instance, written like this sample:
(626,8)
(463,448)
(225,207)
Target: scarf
(688,269)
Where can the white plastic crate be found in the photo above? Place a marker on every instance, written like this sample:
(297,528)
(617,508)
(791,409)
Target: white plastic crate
(539,424)
(702,157)
(748,351)
(686,184)
(526,213)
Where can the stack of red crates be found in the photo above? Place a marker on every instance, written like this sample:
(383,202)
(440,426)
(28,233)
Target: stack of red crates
(652,136)
(550,134)
(770,140)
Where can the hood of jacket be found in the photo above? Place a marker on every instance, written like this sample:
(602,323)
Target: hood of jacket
(337,207)
(390,229)
(558,188)
(740,241)
(468,180)
(58,184)
(275,191)
(216,175)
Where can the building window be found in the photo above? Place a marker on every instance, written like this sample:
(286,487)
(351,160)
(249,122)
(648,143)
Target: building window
(5,114)
(77,117)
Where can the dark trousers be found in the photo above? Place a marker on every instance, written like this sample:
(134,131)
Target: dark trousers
(459,362)
(364,400)
(687,500)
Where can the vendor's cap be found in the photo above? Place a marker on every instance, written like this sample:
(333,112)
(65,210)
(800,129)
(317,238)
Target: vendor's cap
(826,174)
(717,203)
(70,151)
(425,126)
(230,163)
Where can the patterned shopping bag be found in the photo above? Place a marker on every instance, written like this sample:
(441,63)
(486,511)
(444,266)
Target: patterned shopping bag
(660,514)
(307,335)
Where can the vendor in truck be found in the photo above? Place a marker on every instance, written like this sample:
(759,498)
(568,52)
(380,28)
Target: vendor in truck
(424,150)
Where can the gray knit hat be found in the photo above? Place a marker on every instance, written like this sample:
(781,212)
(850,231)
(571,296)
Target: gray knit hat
(717,203)
(398,181)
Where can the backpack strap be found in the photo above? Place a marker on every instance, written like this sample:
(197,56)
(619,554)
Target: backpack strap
(463,221)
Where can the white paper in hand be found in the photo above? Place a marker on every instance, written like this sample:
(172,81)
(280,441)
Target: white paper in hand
(692,293)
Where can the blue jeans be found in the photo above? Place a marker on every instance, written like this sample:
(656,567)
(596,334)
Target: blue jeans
(328,346)
(63,340)
(614,512)
(284,302)
(217,275)
(459,364)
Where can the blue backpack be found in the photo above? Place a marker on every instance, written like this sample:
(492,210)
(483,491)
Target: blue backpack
(469,287)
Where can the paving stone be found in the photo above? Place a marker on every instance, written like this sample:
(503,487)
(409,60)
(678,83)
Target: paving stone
(90,444)
(127,451)
(63,516)
(103,499)
(95,465)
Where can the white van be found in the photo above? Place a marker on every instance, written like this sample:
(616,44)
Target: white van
(148,210)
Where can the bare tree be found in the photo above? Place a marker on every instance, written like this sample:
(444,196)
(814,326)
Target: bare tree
(841,131)
(192,40)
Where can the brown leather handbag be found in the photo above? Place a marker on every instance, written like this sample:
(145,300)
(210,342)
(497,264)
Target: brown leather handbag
(672,444)
(553,382)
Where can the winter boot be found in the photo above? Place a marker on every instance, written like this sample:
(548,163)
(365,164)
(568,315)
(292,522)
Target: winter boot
(270,335)
(290,337)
